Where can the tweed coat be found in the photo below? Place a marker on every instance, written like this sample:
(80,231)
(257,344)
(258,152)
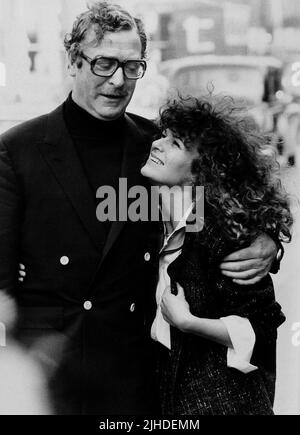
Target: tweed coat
(194,378)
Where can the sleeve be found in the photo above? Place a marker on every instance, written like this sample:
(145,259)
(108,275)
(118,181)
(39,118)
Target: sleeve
(9,222)
(257,304)
(280,253)
(243,340)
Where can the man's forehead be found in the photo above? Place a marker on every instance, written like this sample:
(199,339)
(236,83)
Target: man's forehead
(123,39)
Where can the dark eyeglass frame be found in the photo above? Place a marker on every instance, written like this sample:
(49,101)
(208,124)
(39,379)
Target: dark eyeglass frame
(119,64)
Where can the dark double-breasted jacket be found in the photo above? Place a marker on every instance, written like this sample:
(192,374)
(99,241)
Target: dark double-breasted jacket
(83,300)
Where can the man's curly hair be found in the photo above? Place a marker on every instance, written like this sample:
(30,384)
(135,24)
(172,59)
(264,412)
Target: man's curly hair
(102,17)
(241,182)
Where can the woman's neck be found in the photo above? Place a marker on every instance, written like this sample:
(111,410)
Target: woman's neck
(175,203)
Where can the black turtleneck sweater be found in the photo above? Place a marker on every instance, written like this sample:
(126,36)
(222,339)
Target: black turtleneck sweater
(99,144)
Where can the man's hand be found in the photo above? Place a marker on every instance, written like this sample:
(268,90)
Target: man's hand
(248,266)
(22,273)
(175,309)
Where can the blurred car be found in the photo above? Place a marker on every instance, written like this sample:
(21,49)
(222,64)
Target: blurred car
(253,81)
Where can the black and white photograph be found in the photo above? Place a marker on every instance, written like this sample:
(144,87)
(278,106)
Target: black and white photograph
(149,210)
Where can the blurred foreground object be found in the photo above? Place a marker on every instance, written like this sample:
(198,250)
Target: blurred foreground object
(23,387)
(23,382)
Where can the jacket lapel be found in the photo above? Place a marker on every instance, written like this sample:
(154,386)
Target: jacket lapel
(60,154)
(133,155)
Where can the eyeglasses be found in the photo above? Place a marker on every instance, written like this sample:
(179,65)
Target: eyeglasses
(102,66)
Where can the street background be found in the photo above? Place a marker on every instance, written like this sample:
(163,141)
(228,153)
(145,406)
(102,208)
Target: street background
(249,49)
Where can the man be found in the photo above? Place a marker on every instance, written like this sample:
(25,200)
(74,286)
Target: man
(85,282)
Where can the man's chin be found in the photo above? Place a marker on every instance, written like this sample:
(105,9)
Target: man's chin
(110,114)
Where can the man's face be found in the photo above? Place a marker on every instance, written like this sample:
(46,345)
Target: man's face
(106,98)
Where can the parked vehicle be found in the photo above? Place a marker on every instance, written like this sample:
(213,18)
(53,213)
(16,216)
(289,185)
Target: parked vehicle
(251,80)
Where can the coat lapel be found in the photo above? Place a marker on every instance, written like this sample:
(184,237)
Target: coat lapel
(60,154)
(133,155)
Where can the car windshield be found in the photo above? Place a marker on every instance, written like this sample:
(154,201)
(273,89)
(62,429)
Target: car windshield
(240,82)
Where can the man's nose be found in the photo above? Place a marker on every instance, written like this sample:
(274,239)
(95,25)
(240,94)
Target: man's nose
(117,79)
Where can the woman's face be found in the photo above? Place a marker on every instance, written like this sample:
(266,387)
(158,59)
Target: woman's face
(170,162)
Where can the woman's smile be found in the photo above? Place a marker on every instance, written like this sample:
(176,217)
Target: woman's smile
(170,161)
(155,159)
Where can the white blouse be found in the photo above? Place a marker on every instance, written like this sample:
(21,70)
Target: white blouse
(239,329)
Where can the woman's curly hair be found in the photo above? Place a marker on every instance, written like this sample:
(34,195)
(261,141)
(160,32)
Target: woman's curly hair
(241,181)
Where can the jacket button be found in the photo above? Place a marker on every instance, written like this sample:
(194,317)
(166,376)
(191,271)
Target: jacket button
(132,308)
(87,305)
(147,256)
(64,260)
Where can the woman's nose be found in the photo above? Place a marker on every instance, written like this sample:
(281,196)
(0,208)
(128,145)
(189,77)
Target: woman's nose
(159,144)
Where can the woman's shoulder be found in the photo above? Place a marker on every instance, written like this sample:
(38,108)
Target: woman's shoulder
(211,241)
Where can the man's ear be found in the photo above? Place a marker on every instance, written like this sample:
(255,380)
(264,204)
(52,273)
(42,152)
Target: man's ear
(71,66)
(72,69)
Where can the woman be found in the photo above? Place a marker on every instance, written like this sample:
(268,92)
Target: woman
(218,340)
